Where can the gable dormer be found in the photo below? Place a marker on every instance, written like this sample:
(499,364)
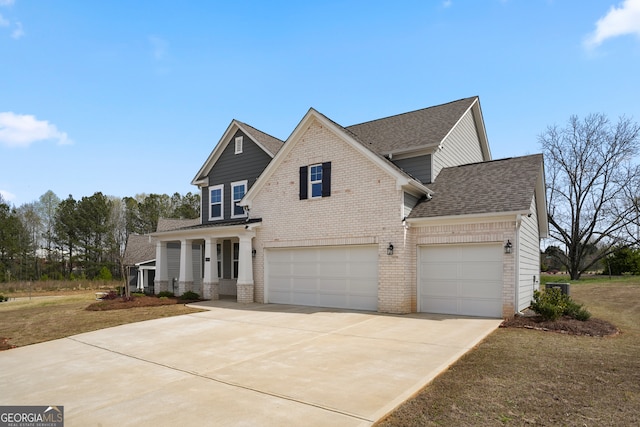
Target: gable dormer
(231,169)
(423,142)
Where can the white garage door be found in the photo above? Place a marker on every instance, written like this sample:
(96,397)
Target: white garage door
(461,279)
(339,277)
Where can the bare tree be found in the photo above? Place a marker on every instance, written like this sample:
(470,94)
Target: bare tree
(592,187)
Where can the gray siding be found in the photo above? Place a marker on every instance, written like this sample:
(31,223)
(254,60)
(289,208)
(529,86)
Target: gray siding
(460,147)
(418,167)
(231,167)
(409,203)
(528,258)
(173,264)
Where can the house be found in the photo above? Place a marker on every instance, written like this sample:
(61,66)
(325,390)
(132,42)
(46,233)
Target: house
(140,253)
(401,214)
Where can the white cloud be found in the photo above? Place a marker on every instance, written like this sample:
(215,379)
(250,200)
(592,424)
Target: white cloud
(159,47)
(6,2)
(3,22)
(447,3)
(21,130)
(617,22)
(7,196)
(18,32)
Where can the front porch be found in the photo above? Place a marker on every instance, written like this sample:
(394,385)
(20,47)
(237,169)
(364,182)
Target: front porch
(210,260)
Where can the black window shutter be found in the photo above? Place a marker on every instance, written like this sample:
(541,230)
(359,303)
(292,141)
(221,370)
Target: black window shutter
(303,182)
(326,179)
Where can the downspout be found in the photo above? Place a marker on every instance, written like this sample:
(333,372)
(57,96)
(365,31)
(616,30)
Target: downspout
(517,263)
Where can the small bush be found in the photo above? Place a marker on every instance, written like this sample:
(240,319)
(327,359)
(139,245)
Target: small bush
(166,294)
(552,304)
(137,294)
(189,295)
(111,295)
(3,298)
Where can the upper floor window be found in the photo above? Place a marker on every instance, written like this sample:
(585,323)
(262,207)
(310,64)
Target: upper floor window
(315,181)
(238,189)
(238,147)
(216,197)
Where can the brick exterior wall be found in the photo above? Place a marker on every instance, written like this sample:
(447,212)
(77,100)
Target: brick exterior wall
(365,206)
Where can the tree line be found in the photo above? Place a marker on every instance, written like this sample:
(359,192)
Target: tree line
(85,238)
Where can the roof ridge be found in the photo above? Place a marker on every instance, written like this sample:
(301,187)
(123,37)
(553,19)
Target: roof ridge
(413,111)
(496,160)
(258,130)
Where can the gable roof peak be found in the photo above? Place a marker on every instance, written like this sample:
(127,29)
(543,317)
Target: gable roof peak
(418,129)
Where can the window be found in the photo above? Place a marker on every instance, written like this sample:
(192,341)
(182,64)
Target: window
(219,259)
(236,255)
(216,195)
(238,141)
(238,189)
(315,181)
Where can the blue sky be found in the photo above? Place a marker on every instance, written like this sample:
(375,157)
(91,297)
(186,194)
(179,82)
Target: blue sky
(131,97)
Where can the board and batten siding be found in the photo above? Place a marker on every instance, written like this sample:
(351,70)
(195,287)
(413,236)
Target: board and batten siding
(418,167)
(460,147)
(528,258)
(232,167)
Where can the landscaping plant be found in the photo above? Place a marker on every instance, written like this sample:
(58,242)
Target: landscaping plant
(552,304)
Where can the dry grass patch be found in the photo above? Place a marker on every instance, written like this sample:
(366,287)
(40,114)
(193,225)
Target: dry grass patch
(530,377)
(32,321)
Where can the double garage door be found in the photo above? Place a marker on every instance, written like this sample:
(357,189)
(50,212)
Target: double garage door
(338,277)
(460,279)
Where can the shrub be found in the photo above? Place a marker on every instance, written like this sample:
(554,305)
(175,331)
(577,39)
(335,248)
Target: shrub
(166,294)
(3,298)
(552,304)
(189,295)
(137,294)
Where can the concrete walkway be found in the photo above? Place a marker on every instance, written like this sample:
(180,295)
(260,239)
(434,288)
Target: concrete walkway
(240,365)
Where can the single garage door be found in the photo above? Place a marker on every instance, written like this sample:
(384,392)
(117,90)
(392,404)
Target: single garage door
(461,279)
(338,277)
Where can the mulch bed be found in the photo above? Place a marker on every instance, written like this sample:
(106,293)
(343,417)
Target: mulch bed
(133,302)
(566,325)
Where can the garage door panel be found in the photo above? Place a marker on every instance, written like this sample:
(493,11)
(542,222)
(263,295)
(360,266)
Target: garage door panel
(461,279)
(340,277)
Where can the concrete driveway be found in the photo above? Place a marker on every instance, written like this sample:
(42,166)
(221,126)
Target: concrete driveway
(240,365)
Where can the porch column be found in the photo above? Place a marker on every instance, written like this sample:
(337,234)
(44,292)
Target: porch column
(211,283)
(161,280)
(245,268)
(185,281)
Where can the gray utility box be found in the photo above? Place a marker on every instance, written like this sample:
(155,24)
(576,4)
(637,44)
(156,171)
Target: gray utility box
(564,287)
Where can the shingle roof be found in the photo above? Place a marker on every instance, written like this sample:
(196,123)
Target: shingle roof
(166,224)
(421,128)
(138,249)
(269,142)
(505,185)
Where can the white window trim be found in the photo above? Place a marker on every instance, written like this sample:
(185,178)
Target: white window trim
(233,202)
(238,145)
(221,188)
(310,183)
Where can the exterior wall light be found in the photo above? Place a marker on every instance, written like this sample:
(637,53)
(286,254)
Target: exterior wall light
(253,253)
(507,247)
(390,249)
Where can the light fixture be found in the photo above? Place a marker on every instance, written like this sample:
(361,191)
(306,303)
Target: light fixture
(390,249)
(253,253)
(507,247)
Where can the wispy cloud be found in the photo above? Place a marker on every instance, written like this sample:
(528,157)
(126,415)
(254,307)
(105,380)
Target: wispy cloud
(7,196)
(447,3)
(22,130)
(17,32)
(4,22)
(159,47)
(6,2)
(619,21)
